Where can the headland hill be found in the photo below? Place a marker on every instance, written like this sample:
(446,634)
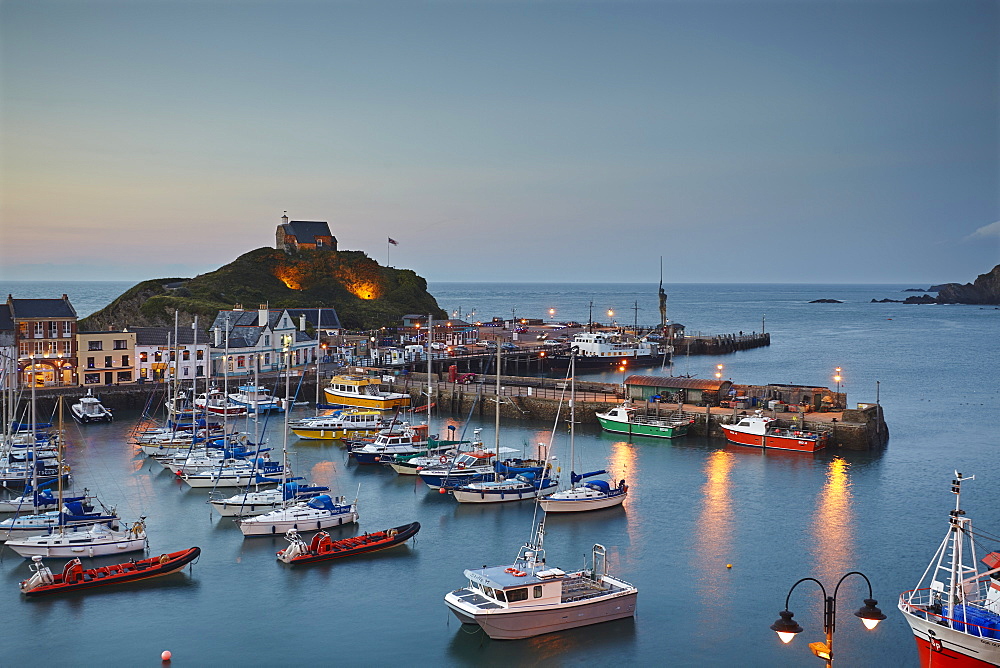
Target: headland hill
(984,291)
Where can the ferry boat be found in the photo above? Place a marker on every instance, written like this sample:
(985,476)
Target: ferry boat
(759,431)
(625,419)
(90,409)
(528,598)
(954,612)
(363,392)
(352,423)
(598,350)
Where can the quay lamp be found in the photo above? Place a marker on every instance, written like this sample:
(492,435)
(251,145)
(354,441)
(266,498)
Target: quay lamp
(787,628)
(837,378)
(552,314)
(718,371)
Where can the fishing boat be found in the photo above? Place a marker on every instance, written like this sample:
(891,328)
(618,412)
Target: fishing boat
(323,548)
(954,612)
(528,598)
(601,350)
(74,577)
(586,491)
(625,419)
(90,409)
(760,431)
(353,423)
(363,392)
(255,399)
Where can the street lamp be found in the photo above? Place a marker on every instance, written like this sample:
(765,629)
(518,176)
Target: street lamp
(718,371)
(552,314)
(836,377)
(787,628)
(623,366)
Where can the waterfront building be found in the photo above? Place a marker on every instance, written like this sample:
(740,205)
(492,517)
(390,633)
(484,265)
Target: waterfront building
(8,350)
(159,357)
(297,235)
(44,336)
(106,358)
(258,338)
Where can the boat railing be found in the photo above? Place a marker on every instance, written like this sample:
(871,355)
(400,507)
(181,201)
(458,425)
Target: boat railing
(927,605)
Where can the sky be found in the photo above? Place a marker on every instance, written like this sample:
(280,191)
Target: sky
(801,141)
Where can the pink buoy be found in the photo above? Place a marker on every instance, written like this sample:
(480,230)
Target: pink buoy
(165,655)
(442,490)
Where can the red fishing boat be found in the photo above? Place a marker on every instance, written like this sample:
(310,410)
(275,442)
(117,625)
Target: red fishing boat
(954,612)
(762,432)
(322,547)
(75,577)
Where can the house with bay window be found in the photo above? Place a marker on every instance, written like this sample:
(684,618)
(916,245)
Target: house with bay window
(161,355)
(44,338)
(248,341)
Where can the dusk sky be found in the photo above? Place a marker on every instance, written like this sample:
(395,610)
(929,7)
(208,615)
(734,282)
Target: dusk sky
(806,141)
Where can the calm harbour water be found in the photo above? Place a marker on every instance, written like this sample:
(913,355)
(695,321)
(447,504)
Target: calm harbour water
(696,505)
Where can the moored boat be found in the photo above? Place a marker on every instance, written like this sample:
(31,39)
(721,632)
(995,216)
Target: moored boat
(255,399)
(760,431)
(954,612)
(528,598)
(354,423)
(323,548)
(625,419)
(98,540)
(74,577)
(90,409)
(363,392)
(599,350)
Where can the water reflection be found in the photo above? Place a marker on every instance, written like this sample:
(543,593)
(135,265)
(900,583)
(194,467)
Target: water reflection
(714,535)
(833,544)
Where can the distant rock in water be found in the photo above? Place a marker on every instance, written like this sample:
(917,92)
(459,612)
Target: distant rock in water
(917,290)
(887,301)
(826,301)
(985,290)
(365,294)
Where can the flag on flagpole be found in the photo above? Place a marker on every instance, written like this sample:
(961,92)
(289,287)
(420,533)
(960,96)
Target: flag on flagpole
(393,241)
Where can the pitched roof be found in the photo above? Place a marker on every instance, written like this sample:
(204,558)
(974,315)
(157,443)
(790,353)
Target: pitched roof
(6,322)
(41,308)
(330,319)
(306,231)
(157,336)
(676,382)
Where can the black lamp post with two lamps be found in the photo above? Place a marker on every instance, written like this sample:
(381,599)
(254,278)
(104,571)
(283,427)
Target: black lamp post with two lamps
(787,628)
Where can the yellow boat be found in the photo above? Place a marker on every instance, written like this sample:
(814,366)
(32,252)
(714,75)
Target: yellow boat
(363,392)
(353,423)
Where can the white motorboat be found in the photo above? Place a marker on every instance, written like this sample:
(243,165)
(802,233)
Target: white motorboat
(215,402)
(320,512)
(404,440)
(260,501)
(527,598)
(256,399)
(90,409)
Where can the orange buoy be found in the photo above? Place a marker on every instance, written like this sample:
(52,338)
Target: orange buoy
(165,655)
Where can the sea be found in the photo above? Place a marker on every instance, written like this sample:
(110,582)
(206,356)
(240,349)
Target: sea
(713,535)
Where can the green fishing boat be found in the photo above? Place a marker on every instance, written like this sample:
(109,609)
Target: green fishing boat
(625,419)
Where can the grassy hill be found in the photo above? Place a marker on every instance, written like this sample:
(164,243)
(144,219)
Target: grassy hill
(365,294)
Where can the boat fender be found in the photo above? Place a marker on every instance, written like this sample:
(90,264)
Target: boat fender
(519,574)
(164,558)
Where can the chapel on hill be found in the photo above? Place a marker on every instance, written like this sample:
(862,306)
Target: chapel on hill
(303,235)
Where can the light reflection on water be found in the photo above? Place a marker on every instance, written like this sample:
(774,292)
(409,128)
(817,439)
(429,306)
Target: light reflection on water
(832,529)
(714,530)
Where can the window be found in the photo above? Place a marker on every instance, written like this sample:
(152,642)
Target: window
(537,592)
(39,330)
(200,355)
(517,595)
(23,329)
(107,362)
(241,361)
(91,378)
(90,362)
(120,344)
(25,349)
(267,339)
(143,357)
(267,358)
(95,345)
(124,376)
(39,348)
(125,360)
(53,330)
(186,355)
(173,355)
(158,356)
(142,372)
(186,370)
(67,329)
(67,348)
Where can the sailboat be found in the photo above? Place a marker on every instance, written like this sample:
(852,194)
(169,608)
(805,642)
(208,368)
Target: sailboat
(97,540)
(527,598)
(525,485)
(319,512)
(587,492)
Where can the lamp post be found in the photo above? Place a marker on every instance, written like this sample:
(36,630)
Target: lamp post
(718,371)
(623,366)
(787,628)
(836,377)
(552,314)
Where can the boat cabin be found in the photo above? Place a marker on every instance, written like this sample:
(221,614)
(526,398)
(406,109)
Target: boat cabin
(512,588)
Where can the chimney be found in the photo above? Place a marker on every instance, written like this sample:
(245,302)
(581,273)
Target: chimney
(284,219)
(218,336)
(302,322)
(262,315)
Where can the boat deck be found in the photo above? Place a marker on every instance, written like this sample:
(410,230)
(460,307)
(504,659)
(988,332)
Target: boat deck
(581,588)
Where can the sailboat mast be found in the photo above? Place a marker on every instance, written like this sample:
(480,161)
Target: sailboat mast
(572,414)
(59,463)
(496,421)
(430,389)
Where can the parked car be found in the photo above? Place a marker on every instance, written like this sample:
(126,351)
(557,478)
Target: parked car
(458,350)
(552,342)
(437,345)
(507,346)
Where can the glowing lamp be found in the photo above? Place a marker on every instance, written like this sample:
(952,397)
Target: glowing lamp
(870,614)
(786,627)
(822,650)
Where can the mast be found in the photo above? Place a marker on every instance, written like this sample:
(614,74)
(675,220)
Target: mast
(284,437)
(319,330)
(59,465)
(430,389)
(572,415)
(496,421)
